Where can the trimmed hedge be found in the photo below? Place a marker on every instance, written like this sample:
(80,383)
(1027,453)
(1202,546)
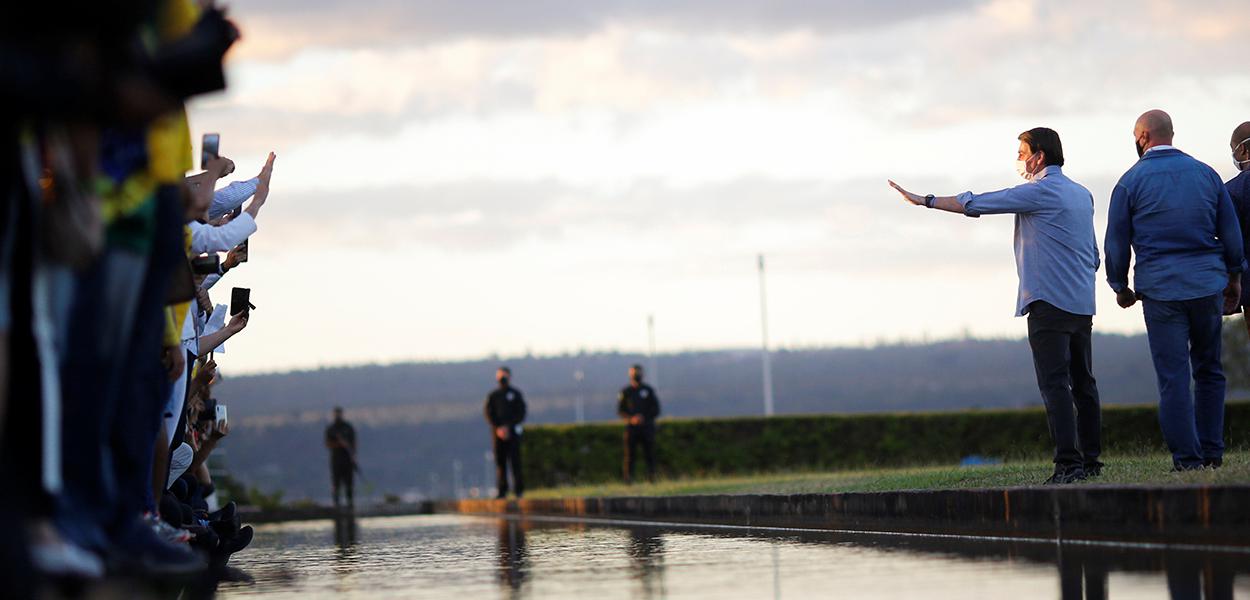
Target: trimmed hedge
(580,454)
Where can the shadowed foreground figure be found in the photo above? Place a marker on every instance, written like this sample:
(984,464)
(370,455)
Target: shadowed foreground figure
(1175,214)
(1056,259)
(341,440)
(504,411)
(638,406)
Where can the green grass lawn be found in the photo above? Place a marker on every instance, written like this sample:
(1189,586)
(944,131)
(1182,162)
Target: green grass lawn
(1146,469)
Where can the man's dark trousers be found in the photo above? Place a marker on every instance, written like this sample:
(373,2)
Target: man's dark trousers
(639,435)
(1185,341)
(1064,363)
(508,456)
(341,471)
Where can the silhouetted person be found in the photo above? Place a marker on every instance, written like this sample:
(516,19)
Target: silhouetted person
(341,440)
(505,410)
(513,556)
(1239,192)
(639,407)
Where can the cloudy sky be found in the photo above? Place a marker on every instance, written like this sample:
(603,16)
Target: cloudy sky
(462,179)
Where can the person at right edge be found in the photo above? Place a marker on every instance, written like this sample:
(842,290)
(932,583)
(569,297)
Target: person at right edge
(505,410)
(1239,191)
(1174,213)
(1056,259)
(639,407)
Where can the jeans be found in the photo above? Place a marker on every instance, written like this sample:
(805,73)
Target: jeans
(1185,342)
(1063,361)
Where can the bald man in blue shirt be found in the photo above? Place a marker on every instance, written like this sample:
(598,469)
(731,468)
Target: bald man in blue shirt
(1175,214)
(1056,259)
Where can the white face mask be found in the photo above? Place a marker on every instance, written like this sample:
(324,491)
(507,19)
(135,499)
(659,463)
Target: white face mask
(1022,167)
(1240,164)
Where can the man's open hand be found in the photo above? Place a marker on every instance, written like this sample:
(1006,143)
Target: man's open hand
(916,199)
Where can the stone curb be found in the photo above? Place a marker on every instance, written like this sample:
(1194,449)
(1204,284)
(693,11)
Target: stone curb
(1192,515)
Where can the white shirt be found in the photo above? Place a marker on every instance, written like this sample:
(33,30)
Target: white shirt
(223,238)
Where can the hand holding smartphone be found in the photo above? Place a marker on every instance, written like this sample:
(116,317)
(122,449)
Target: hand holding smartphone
(210,148)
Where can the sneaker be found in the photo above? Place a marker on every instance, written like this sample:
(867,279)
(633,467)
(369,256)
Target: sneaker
(228,511)
(138,549)
(1213,463)
(63,559)
(167,532)
(239,541)
(1093,469)
(1065,476)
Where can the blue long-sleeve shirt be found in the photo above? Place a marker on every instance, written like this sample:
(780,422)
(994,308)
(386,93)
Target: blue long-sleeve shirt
(1239,191)
(1175,214)
(1056,247)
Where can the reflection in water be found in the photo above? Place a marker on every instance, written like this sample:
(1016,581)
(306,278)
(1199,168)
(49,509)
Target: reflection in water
(646,549)
(345,531)
(513,559)
(464,557)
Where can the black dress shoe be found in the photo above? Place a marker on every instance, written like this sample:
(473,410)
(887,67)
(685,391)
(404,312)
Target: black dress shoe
(1213,463)
(1064,476)
(1093,469)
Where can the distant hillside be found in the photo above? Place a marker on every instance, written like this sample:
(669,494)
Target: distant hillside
(415,420)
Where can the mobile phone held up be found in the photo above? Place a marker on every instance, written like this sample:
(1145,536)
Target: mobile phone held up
(210,148)
(208,264)
(240,300)
(221,416)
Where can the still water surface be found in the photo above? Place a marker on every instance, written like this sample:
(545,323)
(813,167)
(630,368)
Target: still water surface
(469,557)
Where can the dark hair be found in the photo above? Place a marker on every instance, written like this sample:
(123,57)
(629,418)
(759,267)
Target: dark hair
(1044,140)
(636,367)
(506,370)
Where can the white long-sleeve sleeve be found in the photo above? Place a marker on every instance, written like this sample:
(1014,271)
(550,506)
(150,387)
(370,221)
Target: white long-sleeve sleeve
(206,238)
(231,197)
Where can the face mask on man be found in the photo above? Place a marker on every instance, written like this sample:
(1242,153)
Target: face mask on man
(503,382)
(1141,150)
(1022,167)
(1240,164)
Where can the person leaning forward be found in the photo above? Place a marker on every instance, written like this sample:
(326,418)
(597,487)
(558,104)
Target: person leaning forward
(505,410)
(638,406)
(1175,214)
(1056,259)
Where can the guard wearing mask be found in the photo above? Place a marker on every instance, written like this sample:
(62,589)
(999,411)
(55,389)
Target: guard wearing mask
(505,410)
(639,407)
(1239,191)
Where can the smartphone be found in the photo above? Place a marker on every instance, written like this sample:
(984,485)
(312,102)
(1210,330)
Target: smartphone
(221,415)
(240,300)
(210,148)
(209,264)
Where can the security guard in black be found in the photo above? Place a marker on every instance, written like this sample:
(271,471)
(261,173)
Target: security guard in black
(504,411)
(638,406)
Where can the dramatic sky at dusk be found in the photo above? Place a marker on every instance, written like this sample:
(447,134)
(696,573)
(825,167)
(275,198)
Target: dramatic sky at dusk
(460,179)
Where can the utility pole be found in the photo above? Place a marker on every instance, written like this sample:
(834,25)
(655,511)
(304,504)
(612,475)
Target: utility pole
(654,375)
(579,409)
(768,366)
(455,478)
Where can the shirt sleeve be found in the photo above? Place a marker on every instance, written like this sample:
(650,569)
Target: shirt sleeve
(1118,240)
(1019,199)
(231,197)
(1229,226)
(206,238)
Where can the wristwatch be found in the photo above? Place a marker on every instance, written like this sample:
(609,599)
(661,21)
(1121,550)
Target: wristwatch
(928,201)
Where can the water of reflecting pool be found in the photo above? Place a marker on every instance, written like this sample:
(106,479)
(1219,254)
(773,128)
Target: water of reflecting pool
(470,557)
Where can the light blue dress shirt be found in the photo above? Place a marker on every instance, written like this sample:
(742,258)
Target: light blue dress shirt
(1056,249)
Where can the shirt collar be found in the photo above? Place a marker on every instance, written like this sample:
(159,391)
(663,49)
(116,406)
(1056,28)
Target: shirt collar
(1159,147)
(1047,171)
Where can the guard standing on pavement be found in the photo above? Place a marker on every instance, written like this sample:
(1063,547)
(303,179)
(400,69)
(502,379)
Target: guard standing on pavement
(639,407)
(341,440)
(505,410)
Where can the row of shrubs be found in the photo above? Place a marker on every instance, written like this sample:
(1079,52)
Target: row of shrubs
(592,453)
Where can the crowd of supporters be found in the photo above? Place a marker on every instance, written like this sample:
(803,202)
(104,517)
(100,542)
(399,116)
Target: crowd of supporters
(109,251)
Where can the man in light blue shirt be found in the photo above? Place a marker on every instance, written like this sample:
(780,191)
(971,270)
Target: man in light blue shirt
(1056,260)
(1175,214)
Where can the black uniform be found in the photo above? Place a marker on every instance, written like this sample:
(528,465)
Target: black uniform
(342,465)
(639,400)
(506,408)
